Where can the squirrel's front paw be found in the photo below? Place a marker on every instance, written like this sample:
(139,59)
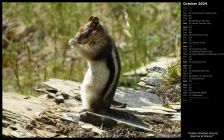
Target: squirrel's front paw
(73,42)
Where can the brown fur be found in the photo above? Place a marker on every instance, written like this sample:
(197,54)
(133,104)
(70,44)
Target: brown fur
(93,36)
(94,44)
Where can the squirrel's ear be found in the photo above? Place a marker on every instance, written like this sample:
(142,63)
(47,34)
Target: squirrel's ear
(96,20)
(90,18)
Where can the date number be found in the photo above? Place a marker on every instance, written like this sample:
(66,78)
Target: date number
(202,3)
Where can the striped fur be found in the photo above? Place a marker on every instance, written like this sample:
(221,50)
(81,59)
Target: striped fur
(113,64)
(100,82)
(101,79)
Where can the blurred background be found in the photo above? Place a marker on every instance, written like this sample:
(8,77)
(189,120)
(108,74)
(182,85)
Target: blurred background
(35,39)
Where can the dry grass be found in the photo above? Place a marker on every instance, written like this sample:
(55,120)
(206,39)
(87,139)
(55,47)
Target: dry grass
(35,38)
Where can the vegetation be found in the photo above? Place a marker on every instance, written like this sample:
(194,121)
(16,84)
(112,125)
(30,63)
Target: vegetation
(170,89)
(173,74)
(36,35)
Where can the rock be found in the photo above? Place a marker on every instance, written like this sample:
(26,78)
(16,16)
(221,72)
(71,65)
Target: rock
(68,87)
(155,75)
(66,96)
(92,127)
(151,90)
(51,95)
(150,135)
(160,107)
(176,106)
(73,104)
(75,117)
(148,88)
(27,97)
(22,108)
(58,93)
(148,111)
(70,116)
(96,119)
(114,118)
(122,95)
(59,99)
(17,131)
(5,123)
(136,98)
(161,64)
(157,69)
(61,136)
(44,133)
(176,117)
(143,84)
(118,104)
(152,81)
(136,105)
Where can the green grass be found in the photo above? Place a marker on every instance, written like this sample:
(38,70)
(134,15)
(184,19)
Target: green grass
(142,32)
(173,74)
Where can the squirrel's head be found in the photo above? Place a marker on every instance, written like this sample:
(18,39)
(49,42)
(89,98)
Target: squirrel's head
(89,32)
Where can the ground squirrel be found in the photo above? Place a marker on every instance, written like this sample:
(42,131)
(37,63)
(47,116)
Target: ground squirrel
(101,79)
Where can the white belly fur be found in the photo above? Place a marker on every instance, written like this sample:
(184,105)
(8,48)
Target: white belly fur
(94,82)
